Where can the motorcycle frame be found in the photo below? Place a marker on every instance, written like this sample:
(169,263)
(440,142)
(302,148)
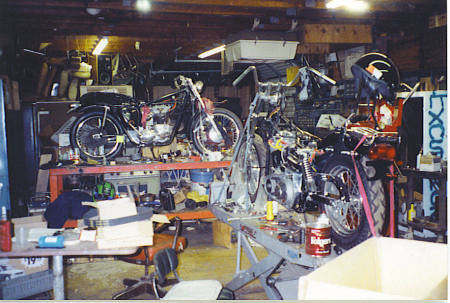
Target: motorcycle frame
(252,126)
(190,100)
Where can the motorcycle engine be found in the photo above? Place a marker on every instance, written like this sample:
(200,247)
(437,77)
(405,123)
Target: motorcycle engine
(158,126)
(284,188)
(282,139)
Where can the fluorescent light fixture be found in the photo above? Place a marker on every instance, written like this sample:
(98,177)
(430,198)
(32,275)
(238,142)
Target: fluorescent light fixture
(143,6)
(335,3)
(212,51)
(351,5)
(358,6)
(100,46)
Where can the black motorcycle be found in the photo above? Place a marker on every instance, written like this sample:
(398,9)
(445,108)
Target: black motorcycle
(278,161)
(109,121)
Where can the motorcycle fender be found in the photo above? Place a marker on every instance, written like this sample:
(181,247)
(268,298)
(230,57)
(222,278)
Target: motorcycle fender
(82,109)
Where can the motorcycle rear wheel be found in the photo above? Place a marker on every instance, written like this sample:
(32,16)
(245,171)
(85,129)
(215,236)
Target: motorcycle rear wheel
(348,220)
(206,139)
(93,142)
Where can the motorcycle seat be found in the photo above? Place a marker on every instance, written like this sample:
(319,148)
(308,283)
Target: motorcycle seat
(370,86)
(103,98)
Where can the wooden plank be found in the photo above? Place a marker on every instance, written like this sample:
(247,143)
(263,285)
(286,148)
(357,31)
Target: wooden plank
(192,214)
(313,48)
(337,33)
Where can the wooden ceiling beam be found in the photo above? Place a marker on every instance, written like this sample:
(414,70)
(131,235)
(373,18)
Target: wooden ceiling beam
(133,28)
(219,7)
(333,33)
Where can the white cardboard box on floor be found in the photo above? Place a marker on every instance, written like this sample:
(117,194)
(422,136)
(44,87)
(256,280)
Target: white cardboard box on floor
(381,269)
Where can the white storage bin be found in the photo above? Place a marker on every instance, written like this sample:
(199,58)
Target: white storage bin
(381,269)
(261,50)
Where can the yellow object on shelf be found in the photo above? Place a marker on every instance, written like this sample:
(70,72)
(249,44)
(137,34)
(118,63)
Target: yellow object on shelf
(194,195)
(411,213)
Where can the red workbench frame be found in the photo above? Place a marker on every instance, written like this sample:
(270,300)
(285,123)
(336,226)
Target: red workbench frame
(56,178)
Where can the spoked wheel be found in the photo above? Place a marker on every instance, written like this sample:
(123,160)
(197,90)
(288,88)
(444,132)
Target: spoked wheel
(206,138)
(96,140)
(347,218)
(251,168)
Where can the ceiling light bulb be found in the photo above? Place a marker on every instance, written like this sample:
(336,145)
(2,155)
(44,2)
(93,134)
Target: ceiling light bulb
(212,51)
(143,6)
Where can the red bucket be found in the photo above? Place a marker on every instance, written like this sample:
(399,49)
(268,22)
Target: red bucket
(318,239)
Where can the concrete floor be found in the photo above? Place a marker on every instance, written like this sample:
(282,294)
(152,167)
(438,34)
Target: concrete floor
(101,278)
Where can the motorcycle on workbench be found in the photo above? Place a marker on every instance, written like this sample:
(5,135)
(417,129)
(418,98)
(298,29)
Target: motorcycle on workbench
(108,121)
(278,161)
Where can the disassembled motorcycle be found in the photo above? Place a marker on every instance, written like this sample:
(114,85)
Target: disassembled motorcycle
(336,174)
(108,121)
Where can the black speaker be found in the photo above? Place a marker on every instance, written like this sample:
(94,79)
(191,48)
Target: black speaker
(104,70)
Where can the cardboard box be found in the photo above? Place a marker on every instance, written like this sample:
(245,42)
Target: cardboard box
(381,269)
(132,234)
(144,236)
(223,235)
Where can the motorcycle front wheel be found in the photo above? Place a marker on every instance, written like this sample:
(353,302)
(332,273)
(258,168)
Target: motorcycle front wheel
(251,169)
(206,139)
(96,140)
(347,218)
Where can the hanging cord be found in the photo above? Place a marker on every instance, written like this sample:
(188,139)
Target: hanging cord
(363,192)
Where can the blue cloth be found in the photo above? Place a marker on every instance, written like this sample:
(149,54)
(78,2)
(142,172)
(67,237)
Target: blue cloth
(66,206)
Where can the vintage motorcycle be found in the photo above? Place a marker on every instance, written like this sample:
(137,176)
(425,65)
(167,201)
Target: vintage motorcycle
(278,161)
(108,121)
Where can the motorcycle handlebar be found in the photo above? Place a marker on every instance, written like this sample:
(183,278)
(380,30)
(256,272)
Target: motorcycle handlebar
(241,76)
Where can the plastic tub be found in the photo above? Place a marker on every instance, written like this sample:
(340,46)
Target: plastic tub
(201,176)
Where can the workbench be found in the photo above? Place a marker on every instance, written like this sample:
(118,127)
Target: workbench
(56,176)
(83,248)
(279,253)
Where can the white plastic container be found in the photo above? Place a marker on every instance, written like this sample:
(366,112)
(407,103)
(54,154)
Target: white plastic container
(261,50)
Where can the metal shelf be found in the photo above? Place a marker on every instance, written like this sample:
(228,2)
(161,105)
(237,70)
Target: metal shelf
(56,178)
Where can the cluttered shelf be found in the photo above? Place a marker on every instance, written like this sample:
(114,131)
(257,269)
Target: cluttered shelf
(56,174)
(56,180)
(438,224)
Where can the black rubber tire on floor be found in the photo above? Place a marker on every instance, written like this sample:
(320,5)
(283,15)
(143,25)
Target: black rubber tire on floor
(375,195)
